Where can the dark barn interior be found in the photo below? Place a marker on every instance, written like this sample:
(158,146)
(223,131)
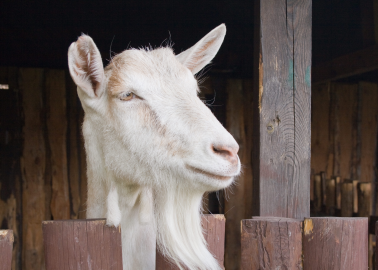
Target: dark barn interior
(42,159)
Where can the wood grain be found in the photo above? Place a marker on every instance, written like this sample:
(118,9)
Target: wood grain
(335,243)
(33,169)
(73,141)
(57,130)
(365,193)
(282,165)
(347,199)
(6,247)
(235,205)
(214,231)
(271,243)
(82,244)
(331,197)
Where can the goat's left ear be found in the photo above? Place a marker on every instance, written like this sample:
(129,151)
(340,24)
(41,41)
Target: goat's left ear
(198,56)
(86,68)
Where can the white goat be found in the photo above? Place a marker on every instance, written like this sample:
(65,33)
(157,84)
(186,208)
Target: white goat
(153,148)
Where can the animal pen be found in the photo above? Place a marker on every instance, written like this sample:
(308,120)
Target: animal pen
(307,141)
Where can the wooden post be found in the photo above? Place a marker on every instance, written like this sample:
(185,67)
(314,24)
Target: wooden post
(335,243)
(347,199)
(331,197)
(214,229)
(338,192)
(6,247)
(282,111)
(82,244)
(271,243)
(318,193)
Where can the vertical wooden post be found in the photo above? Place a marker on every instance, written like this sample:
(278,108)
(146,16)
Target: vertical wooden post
(213,229)
(331,197)
(271,243)
(82,244)
(6,247)
(282,109)
(335,243)
(347,199)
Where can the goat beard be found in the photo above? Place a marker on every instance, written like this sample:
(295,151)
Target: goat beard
(178,226)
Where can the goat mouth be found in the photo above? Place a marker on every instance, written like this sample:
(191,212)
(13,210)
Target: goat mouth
(211,175)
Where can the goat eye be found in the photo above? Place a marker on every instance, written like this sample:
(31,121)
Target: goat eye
(126,96)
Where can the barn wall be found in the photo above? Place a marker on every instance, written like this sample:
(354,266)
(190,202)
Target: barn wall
(43,170)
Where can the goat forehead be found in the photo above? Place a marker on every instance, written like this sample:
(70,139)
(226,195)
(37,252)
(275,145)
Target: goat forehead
(158,66)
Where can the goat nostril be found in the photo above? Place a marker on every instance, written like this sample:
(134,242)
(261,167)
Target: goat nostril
(226,152)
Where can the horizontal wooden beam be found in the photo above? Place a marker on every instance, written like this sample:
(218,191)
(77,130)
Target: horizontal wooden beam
(347,65)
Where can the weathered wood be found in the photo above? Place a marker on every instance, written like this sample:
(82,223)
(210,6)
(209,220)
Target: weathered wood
(82,244)
(324,187)
(338,192)
(214,231)
(282,158)
(57,131)
(345,102)
(33,169)
(347,65)
(331,197)
(355,196)
(364,199)
(320,140)
(347,199)
(369,134)
(236,207)
(271,243)
(73,141)
(335,243)
(6,247)
(318,193)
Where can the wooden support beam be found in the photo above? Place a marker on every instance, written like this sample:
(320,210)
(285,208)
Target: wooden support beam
(282,111)
(347,65)
(347,199)
(271,243)
(335,243)
(214,230)
(6,247)
(82,244)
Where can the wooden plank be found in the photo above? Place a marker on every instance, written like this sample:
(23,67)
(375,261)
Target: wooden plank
(214,231)
(355,63)
(331,197)
(57,131)
(338,192)
(364,199)
(73,141)
(347,199)
(235,205)
(33,169)
(369,134)
(324,187)
(318,193)
(320,137)
(81,244)
(335,243)
(346,96)
(6,247)
(282,156)
(355,196)
(271,243)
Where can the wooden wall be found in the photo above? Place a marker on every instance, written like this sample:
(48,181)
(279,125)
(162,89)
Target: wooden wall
(42,173)
(344,131)
(42,164)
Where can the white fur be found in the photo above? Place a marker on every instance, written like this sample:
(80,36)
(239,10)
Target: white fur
(150,159)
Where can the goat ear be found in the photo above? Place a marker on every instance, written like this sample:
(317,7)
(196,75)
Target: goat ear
(198,56)
(85,65)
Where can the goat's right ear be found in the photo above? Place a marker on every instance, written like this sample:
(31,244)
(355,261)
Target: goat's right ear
(86,68)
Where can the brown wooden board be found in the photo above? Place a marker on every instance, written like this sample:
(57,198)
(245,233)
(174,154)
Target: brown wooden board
(82,244)
(320,142)
(331,197)
(57,131)
(271,243)
(364,199)
(282,160)
(335,243)
(235,205)
(33,168)
(347,65)
(73,146)
(347,199)
(214,230)
(6,247)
